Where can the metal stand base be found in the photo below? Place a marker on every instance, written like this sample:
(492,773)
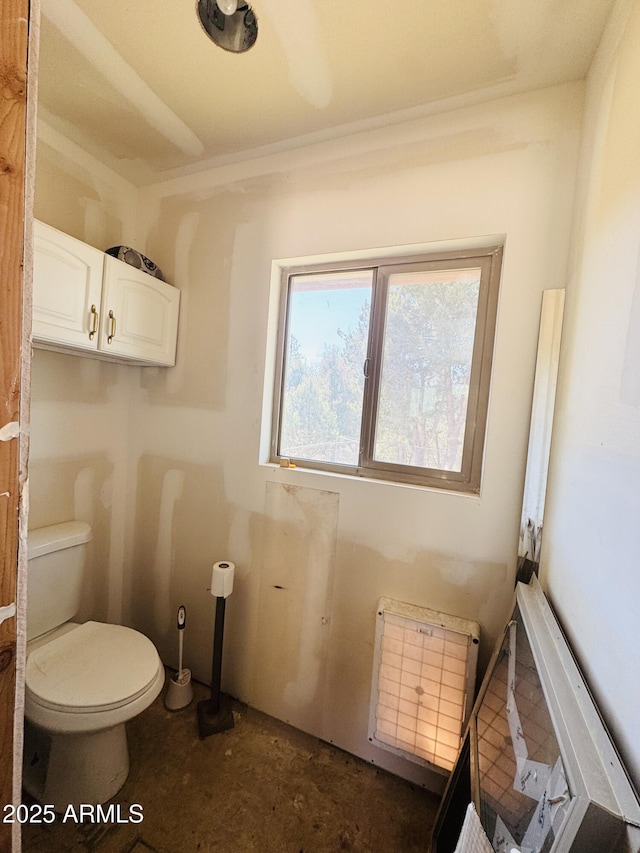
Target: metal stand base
(212,720)
(215,714)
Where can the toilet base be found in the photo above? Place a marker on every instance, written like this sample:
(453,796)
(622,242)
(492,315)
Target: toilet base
(69,769)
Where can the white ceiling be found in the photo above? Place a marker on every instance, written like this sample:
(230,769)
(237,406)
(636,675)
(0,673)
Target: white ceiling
(138,83)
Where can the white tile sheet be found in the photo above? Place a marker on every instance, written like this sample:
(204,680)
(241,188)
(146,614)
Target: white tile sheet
(473,838)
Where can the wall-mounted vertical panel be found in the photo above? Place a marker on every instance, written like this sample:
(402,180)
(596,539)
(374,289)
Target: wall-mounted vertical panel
(295,603)
(542,407)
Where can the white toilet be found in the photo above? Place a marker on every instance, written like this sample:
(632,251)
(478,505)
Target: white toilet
(83,681)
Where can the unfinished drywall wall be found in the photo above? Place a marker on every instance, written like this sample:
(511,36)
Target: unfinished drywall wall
(79,484)
(78,195)
(296,601)
(169,460)
(78,464)
(80,406)
(506,168)
(589,552)
(180,516)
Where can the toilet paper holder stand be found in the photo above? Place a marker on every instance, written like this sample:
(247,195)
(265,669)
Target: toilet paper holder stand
(215,713)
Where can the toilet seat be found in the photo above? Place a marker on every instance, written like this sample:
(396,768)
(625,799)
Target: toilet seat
(93,668)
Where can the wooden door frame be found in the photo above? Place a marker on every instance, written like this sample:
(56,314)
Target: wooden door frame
(18,53)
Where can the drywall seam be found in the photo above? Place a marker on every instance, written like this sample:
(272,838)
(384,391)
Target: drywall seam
(102,175)
(355,140)
(613,33)
(301,40)
(74,25)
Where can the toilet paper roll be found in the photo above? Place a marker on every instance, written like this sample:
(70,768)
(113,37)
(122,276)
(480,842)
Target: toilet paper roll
(222,579)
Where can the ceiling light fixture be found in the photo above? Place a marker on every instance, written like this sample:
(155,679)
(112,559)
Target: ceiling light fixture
(231,24)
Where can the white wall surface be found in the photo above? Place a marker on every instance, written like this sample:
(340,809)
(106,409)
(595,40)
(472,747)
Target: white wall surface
(336,544)
(590,543)
(78,465)
(185,441)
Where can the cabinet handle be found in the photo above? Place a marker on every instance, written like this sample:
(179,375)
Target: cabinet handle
(94,322)
(113,327)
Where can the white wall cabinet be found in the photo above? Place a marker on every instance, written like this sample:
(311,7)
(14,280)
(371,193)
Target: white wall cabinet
(92,303)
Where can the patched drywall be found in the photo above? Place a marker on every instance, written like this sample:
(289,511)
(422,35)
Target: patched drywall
(187,233)
(182,525)
(326,71)
(295,606)
(78,195)
(78,464)
(314,552)
(78,488)
(63,378)
(180,517)
(300,623)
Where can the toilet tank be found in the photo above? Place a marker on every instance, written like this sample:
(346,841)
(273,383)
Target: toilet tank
(57,557)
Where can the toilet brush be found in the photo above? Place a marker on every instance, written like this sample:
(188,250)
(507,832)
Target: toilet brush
(180,690)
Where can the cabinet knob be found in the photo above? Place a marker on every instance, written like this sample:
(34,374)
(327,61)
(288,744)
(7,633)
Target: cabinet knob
(94,322)
(112,334)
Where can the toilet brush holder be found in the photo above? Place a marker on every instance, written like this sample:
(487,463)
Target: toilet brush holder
(180,690)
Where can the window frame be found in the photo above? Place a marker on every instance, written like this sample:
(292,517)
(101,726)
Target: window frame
(468,479)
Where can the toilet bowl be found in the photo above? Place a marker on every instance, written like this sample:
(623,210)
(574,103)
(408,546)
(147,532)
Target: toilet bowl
(83,682)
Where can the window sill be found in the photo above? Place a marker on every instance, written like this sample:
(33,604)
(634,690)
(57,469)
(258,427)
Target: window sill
(299,470)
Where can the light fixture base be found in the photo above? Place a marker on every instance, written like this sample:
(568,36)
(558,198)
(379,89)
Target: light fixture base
(235,33)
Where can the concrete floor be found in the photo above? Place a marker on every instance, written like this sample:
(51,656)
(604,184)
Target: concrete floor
(261,786)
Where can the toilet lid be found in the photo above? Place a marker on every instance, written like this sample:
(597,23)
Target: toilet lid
(93,667)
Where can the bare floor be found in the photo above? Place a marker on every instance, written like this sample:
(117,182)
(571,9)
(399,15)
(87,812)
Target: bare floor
(261,786)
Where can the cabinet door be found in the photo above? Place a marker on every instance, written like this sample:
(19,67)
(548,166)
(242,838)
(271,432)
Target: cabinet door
(139,315)
(67,282)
